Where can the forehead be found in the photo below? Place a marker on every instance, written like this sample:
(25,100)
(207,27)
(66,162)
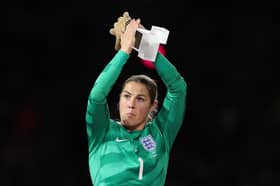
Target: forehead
(135,88)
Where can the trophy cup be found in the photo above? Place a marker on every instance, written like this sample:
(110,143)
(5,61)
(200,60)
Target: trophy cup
(147,42)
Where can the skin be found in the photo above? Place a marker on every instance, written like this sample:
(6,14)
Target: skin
(135,105)
(135,102)
(128,36)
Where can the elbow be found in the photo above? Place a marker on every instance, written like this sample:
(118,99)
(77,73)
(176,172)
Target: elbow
(183,86)
(97,96)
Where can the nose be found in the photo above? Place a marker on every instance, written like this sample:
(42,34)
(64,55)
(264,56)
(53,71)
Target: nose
(131,103)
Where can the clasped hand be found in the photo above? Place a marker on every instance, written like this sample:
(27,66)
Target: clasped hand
(128,36)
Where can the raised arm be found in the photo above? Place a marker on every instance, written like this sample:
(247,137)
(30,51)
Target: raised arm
(171,115)
(97,114)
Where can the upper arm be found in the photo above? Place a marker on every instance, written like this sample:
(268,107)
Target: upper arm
(97,114)
(97,120)
(171,114)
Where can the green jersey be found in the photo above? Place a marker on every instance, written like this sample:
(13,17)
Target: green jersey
(118,157)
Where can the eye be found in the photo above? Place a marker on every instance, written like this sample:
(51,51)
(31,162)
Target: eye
(140,99)
(126,96)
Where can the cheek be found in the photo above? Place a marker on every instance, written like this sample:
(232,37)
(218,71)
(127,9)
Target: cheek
(143,110)
(122,105)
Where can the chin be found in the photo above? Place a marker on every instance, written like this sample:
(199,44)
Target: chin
(129,127)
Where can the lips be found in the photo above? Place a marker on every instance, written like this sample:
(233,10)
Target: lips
(130,114)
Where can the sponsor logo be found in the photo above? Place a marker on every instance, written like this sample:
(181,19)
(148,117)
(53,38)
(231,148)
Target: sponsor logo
(120,140)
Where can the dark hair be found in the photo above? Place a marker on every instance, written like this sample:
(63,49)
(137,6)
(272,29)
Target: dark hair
(150,84)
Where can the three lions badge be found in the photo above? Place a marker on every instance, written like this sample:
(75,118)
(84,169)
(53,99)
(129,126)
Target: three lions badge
(148,143)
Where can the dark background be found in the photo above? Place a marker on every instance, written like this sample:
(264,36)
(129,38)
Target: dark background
(52,52)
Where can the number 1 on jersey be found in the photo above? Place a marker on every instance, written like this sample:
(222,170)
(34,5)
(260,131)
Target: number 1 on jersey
(141,163)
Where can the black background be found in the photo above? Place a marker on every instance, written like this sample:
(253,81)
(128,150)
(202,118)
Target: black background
(52,52)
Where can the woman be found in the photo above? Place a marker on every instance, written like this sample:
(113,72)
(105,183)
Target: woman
(135,150)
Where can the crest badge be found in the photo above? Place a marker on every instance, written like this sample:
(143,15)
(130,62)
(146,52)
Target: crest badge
(148,143)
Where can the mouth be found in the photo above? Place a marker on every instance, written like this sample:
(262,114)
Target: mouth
(130,114)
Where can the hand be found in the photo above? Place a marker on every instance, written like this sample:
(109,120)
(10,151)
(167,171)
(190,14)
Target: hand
(128,36)
(119,27)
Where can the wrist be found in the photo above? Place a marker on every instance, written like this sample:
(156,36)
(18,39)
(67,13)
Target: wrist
(128,51)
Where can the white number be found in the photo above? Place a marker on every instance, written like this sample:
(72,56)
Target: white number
(141,162)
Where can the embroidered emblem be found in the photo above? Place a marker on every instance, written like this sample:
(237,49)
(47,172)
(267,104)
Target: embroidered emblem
(148,143)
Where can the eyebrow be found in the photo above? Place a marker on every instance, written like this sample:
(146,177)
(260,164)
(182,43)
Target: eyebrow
(136,95)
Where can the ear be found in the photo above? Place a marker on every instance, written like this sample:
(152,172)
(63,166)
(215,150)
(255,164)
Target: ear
(153,109)
(155,105)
